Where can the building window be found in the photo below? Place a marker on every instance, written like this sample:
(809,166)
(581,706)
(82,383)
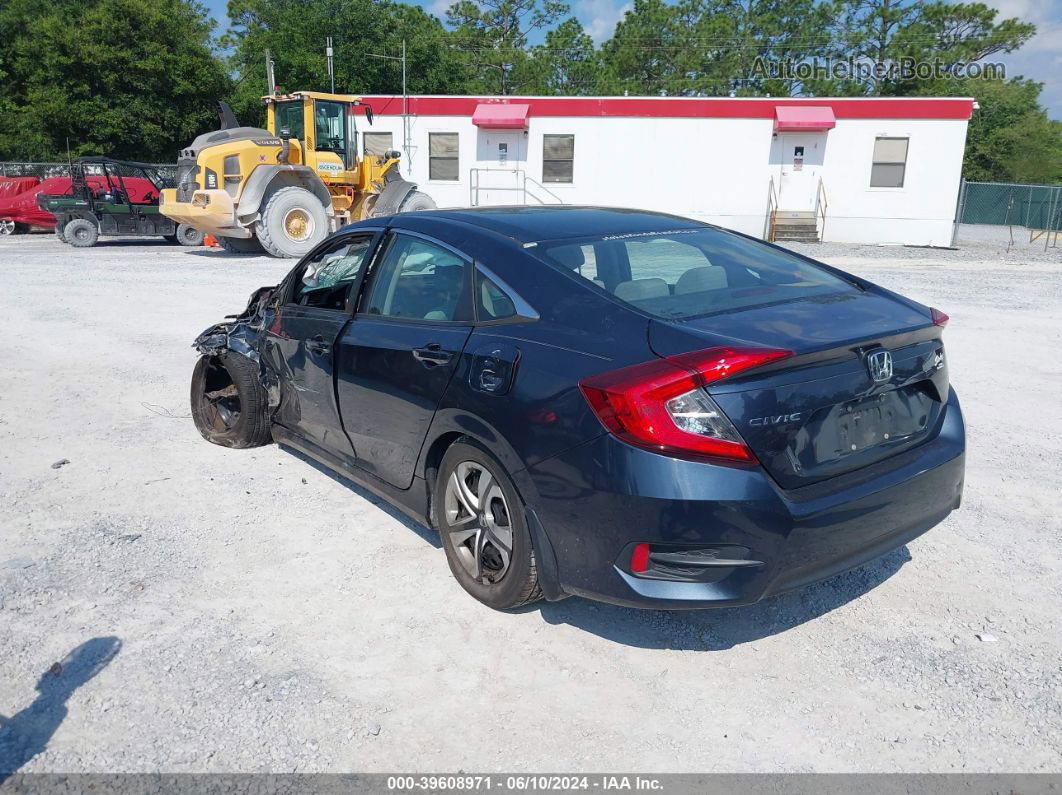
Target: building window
(890,163)
(558,158)
(442,156)
(376,143)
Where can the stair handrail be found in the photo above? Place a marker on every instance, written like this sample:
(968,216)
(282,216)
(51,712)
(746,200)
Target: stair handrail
(534,182)
(772,208)
(821,203)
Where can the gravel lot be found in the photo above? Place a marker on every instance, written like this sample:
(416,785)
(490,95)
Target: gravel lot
(247,611)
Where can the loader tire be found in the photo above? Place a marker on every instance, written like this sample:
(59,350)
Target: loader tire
(81,233)
(229,405)
(240,245)
(189,235)
(416,200)
(292,223)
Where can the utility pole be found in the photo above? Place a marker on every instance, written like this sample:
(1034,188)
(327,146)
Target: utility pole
(328,56)
(405,99)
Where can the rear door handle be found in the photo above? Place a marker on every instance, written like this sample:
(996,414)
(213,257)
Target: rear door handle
(432,355)
(318,344)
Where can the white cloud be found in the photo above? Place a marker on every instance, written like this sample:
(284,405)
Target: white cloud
(599,17)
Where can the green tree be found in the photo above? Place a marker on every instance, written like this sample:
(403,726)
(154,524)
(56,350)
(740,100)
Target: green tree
(294,33)
(129,78)
(493,36)
(1010,138)
(882,34)
(714,47)
(566,63)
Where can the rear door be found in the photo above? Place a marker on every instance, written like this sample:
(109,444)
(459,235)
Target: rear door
(315,306)
(397,357)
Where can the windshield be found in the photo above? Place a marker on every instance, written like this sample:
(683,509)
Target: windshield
(689,272)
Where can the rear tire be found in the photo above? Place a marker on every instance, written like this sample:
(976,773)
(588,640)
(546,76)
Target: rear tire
(229,406)
(189,235)
(479,513)
(240,245)
(416,200)
(81,233)
(292,223)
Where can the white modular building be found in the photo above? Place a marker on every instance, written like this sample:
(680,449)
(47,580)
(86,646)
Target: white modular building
(859,170)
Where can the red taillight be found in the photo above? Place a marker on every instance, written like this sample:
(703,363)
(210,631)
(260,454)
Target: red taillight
(661,405)
(640,558)
(939,318)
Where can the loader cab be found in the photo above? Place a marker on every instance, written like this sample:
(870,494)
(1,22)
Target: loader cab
(323,127)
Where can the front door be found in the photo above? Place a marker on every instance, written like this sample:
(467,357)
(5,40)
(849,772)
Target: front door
(396,359)
(300,342)
(500,155)
(799,157)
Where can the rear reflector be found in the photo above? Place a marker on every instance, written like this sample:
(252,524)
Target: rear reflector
(640,558)
(939,318)
(662,406)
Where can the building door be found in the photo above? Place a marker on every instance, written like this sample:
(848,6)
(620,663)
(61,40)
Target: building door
(798,157)
(501,160)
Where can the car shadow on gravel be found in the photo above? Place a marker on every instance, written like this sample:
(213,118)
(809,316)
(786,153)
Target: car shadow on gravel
(27,733)
(426,533)
(718,630)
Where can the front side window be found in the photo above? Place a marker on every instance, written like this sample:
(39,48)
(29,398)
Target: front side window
(289,117)
(558,158)
(689,272)
(890,163)
(419,280)
(328,278)
(443,156)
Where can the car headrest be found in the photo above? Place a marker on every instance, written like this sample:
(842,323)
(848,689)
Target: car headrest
(697,280)
(641,289)
(569,256)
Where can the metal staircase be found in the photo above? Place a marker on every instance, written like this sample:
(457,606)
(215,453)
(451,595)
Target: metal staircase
(803,226)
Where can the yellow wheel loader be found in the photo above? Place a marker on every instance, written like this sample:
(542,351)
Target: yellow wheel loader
(284,189)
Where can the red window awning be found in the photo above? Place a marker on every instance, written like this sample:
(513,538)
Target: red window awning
(803,118)
(501,115)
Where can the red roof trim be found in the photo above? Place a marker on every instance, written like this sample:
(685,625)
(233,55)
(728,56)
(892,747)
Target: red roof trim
(681,108)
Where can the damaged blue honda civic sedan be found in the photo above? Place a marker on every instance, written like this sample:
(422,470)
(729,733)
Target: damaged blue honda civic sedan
(624,405)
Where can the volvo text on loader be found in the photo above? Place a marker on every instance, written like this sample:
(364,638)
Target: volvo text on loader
(285,188)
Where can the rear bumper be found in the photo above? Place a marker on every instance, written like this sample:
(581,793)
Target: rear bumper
(598,499)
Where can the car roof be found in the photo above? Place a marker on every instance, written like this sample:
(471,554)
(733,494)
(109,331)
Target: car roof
(542,223)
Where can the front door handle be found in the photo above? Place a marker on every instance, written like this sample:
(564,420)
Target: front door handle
(432,355)
(318,344)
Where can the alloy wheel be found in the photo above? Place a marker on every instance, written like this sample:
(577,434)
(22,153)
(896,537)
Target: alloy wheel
(478,521)
(7,227)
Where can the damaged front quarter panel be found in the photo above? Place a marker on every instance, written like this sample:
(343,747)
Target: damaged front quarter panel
(243,334)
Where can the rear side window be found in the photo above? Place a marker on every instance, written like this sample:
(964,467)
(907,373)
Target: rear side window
(493,303)
(419,280)
(685,273)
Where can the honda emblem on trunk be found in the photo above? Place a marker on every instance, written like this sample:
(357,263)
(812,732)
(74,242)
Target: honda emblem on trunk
(879,365)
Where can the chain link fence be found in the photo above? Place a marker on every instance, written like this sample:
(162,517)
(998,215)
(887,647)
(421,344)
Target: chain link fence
(43,171)
(1008,213)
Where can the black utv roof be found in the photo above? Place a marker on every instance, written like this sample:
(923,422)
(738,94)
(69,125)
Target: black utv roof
(92,159)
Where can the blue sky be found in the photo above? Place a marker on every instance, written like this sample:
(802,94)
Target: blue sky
(1040,59)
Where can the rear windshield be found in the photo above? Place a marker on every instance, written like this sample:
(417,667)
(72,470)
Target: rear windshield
(684,273)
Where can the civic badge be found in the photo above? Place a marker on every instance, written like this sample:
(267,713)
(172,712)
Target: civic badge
(879,365)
